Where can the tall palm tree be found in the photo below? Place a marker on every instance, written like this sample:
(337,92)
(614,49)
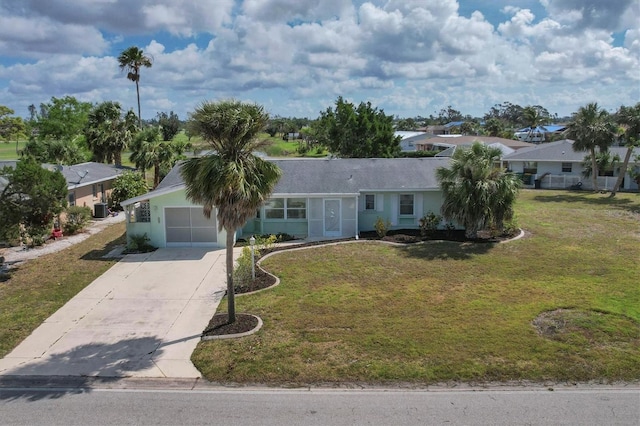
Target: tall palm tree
(131,60)
(477,193)
(629,117)
(231,179)
(591,128)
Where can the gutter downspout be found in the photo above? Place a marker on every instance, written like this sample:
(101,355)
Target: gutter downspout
(357,229)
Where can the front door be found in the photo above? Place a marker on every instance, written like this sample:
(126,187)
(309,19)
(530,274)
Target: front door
(332,222)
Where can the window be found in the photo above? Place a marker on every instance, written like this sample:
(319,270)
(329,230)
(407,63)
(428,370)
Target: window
(296,208)
(274,208)
(369,202)
(72,199)
(531,167)
(566,167)
(406,204)
(140,212)
(286,208)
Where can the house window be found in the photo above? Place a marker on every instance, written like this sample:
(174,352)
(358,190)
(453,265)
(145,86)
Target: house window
(139,212)
(98,191)
(286,208)
(566,167)
(369,202)
(71,198)
(296,208)
(274,208)
(406,204)
(531,167)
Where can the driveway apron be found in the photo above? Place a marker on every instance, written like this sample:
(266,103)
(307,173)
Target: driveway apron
(141,318)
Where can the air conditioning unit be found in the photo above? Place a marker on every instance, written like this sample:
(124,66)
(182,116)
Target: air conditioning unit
(100,210)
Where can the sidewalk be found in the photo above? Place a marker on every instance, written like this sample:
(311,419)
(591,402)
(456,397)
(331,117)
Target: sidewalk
(16,255)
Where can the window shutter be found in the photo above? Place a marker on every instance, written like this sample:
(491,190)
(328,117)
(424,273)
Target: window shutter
(418,207)
(394,209)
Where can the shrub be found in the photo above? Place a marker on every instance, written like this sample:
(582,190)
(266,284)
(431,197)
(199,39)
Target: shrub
(242,272)
(429,223)
(382,227)
(265,243)
(127,185)
(139,244)
(76,219)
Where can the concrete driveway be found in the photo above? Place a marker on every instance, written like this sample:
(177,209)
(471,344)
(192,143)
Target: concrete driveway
(141,318)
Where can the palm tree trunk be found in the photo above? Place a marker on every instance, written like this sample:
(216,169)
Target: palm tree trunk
(156,175)
(594,169)
(117,158)
(231,299)
(138,95)
(623,171)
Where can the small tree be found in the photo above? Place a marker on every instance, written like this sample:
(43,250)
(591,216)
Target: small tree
(127,185)
(32,198)
(357,132)
(169,125)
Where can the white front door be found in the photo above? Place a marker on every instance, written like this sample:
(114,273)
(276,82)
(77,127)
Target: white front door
(332,215)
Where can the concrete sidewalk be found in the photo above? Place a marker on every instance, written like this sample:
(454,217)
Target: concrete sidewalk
(141,318)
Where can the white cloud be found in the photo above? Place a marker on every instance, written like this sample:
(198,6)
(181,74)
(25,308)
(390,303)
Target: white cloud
(413,57)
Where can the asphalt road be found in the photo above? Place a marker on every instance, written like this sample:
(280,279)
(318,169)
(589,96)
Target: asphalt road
(213,406)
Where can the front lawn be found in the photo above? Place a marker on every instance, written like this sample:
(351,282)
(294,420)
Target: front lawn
(39,287)
(561,304)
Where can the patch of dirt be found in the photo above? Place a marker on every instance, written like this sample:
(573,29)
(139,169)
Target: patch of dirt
(218,326)
(588,328)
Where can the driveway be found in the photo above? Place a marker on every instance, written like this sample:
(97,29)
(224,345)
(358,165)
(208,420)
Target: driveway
(141,318)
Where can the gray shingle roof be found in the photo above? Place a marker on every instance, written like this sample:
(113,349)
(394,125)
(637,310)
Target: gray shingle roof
(336,176)
(559,151)
(83,174)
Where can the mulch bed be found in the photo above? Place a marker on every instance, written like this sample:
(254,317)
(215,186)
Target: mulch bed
(218,326)
(262,281)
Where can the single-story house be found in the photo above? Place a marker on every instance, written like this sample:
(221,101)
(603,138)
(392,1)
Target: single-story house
(557,165)
(314,198)
(88,183)
(442,142)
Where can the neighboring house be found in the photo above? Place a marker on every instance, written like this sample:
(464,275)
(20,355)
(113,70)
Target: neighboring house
(539,134)
(88,183)
(442,142)
(557,165)
(315,198)
(409,139)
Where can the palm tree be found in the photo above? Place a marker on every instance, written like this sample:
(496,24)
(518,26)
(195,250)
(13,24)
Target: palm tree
(131,60)
(532,118)
(108,133)
(149,150)
(630,118)
(477,193)
(231,179)
(591,128)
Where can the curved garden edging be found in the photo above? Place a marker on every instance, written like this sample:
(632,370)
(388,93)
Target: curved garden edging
(236,335)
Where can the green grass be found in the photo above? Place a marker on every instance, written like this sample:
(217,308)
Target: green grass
(8,150)
(277,147)
(442,311)
(39,287)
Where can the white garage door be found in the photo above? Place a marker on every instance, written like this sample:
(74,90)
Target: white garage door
(187,227)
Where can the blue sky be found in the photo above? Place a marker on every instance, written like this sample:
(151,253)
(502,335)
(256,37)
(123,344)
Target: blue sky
(296,57)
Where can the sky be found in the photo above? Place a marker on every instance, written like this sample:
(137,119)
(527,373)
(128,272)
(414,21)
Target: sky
(295,57)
